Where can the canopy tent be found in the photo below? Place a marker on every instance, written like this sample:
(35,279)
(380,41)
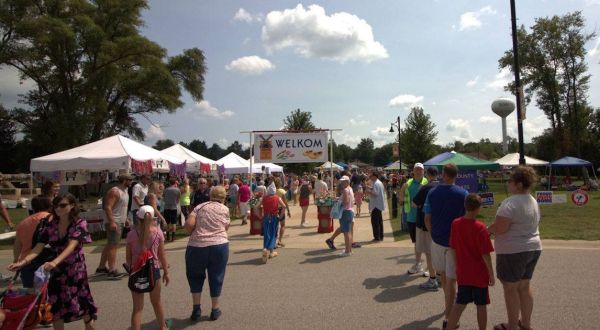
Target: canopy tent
(462,161)
(193,159)
(571,162)
(394,167)
(513,160)
(257,167)
(112,153)
(327,165)
(234,164)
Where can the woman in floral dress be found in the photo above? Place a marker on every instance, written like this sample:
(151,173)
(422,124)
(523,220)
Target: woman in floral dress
(68,288)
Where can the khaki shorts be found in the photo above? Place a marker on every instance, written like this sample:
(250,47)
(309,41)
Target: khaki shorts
(244,208)
(114,237)
(423,244)
(443,259)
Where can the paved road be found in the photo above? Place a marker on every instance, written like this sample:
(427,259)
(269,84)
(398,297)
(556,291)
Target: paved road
(309,287)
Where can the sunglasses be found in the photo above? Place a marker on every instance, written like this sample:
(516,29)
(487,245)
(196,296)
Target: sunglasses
(62,205)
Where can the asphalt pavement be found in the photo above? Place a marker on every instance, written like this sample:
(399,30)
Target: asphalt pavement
(310,287)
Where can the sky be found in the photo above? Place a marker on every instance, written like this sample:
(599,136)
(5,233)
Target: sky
(355,65)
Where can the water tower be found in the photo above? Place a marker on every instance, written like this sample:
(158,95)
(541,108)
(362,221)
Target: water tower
(503,107)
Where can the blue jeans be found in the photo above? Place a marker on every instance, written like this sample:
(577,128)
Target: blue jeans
(202,260)
(270,226)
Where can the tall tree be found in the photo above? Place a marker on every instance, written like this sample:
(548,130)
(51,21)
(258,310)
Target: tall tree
(554,70)
(95,75)
(417,137)
(237,148)
(342,152)
(7,141)
(215,152)
(383,155)
(365,150)
(163,144)
(298,120)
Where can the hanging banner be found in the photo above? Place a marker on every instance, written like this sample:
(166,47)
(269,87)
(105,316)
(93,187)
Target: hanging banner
(395,150)
(290,147)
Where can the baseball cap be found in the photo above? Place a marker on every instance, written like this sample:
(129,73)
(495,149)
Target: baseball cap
(344,178)
(141,213)
(419,165)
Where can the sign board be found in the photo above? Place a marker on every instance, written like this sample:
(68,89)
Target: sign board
(580,197)
(559,198)
(395,150)
(487,199)
(543,197)
(283,147)
(468,180)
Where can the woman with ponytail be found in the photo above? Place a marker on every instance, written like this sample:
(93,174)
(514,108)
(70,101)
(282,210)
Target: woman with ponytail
(147,236)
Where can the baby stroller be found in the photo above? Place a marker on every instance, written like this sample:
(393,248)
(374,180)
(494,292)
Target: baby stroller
(25,310)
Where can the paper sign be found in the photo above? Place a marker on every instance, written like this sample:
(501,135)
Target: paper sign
(543,197)
(487,199)
(559,198)
(291,147)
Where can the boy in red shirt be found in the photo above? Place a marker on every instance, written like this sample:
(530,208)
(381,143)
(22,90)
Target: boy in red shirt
(470,240)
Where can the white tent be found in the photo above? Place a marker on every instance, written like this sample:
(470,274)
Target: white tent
(513,160)
(112,153)
(257,167)
(328,165)
(234,164)
(193,159)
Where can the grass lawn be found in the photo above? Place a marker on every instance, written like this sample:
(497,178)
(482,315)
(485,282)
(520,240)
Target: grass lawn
(559,221)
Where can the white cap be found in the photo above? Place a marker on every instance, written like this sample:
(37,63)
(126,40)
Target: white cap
(419,165)
(141,213)
(344,178)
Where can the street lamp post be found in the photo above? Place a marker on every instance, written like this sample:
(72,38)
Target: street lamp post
(397,124)
(518,87)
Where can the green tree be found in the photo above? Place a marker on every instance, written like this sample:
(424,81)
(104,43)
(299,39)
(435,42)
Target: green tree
(198,147)
(554,70)
(163,144)
(95,75)
(215,152)
(383,156)
(417,137)
(7,142)
(342,153)
(365,150)
(298,120)
(237,148)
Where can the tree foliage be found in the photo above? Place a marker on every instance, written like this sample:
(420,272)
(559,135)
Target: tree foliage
(417,137)
(7,141)
(163,144)
(298,120)
(95,75)
(554,70)
(365,150)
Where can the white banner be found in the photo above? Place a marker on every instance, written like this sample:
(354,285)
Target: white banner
(290,147)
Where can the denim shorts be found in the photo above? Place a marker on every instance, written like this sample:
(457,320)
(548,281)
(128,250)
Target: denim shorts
(346,220)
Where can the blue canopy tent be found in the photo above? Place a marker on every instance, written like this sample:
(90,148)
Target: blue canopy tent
(569,162)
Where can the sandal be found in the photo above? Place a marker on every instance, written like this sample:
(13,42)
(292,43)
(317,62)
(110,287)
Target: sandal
(265,256)
(273,254)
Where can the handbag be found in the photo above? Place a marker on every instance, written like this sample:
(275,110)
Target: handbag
(337,209)
(141,278)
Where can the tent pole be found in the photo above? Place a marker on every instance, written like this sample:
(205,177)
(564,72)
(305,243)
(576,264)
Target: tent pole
(331,156)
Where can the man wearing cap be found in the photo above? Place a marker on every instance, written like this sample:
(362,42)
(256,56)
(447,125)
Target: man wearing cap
(115,218)
(408,191)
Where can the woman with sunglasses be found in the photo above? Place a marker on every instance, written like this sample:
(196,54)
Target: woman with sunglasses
(68,289)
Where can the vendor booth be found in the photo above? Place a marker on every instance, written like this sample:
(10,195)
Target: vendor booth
(394,167)
(511,160)
(569,162)
(467,168)
(233,164)
(196,163)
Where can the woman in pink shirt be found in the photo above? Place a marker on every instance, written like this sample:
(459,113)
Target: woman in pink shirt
(208,250)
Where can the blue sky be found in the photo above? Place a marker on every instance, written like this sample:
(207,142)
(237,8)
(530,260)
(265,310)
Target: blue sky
(356,65)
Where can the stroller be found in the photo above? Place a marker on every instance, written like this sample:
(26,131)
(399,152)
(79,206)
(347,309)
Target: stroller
(25,310)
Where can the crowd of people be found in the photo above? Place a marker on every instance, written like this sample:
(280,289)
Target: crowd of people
(441,218)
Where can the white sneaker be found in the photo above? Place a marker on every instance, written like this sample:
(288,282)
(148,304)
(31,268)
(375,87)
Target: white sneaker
(415,269)
(345,254)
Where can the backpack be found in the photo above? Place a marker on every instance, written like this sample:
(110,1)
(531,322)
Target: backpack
(141,278)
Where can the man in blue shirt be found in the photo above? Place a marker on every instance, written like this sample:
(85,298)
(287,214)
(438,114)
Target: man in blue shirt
(376,206)
(443,204)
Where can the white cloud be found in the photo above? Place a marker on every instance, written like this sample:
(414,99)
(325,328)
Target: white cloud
(312,33)
(472,19)
(532,126)
(223,142)
(205,109)
(155,132)
(596,50)
(347,139)
(250,65)
(489,119)
(472,82)
(406,101)
(243,15)
(382,135)
(592,2)
(358,121)
(502,78)
(11,86)
(461,128)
